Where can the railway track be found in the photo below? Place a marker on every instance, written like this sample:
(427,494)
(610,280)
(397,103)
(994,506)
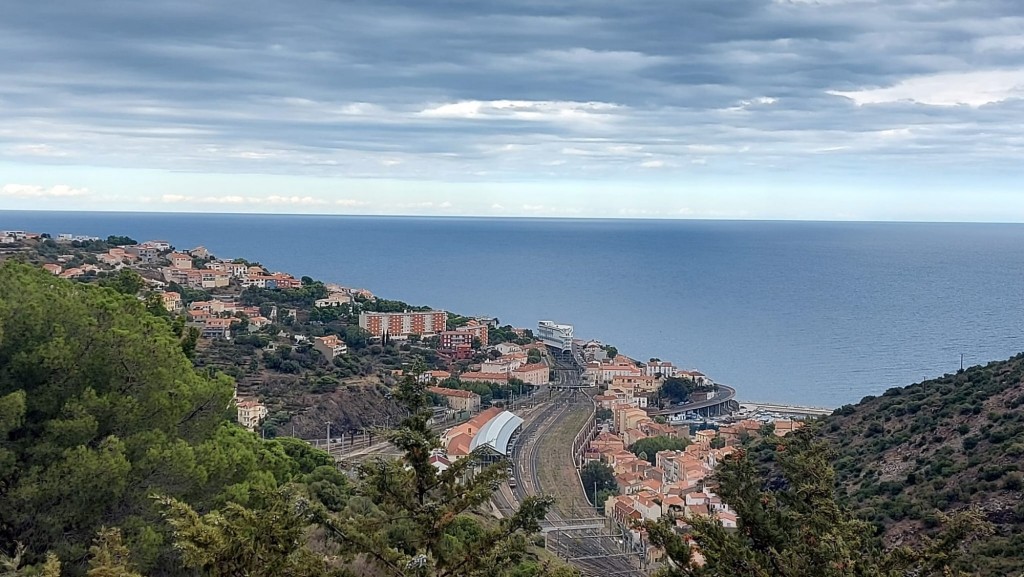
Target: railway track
(591,550)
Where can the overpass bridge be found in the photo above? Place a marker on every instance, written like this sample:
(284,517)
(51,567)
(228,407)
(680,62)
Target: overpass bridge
(723,403)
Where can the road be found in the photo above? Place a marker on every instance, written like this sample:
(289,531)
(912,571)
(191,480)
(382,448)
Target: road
(725,394)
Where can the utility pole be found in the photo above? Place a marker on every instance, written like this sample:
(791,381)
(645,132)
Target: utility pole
(961,361)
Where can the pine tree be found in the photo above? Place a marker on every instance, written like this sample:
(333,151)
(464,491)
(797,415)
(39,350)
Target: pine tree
(408,519)
(792,526)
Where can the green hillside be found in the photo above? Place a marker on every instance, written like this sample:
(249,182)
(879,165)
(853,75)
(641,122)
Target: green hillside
(944,445)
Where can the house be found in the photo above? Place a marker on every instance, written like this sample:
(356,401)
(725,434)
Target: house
(160,245)
(536,374)
(250,413)
(501,365)
(477,377)
(200,252)
(215,279)
(53,268)
(258,322)
(334,300)
(433,375)
(171,301)
(72,273)
(110,259)
(179,260)
(145,254)
(508,348)
(214,328)
(330,346)
(663,368)
(457,399)
(638,383)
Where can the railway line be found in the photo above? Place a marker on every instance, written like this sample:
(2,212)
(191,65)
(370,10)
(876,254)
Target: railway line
(591,549)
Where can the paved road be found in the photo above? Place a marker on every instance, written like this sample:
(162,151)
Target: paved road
(725,394)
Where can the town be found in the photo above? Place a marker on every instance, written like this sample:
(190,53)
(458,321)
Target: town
(646,436)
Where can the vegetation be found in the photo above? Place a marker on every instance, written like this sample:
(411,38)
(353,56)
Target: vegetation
(648,448)
(598,482)
(678,390)
(119,458)
(790,523)
(507,334)
(937,447)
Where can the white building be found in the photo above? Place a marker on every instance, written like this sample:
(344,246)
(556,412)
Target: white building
(250,413)
(664,368)
(555,335)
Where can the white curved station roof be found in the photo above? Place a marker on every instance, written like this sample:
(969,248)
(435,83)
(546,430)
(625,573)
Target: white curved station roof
(497,432)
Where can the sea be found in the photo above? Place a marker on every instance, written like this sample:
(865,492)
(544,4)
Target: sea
(808,313)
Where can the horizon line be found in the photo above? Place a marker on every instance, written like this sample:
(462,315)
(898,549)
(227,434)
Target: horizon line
(690,218)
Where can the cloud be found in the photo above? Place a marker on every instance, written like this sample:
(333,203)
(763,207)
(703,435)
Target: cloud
(520,92)
(524,110)
(37,191)
(973,88)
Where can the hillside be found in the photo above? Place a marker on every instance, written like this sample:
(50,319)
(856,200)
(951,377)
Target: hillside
(940,445)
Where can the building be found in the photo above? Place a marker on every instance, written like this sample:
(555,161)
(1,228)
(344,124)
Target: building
(143,253)
(53,268)
(555,335)
(250,413)
(171,301)
(334,300)
(405,324)
(491,432)
(179,260)
(639,383)
(536,374)
(330,346)
(455,340)
(160,245)
(214,328)
(501,365)
(215,279)
(476,377)
(475,329)
(458,400)
(663,368)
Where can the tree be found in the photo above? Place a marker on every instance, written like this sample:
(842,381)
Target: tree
(114,240)
(611,351)
(406,518)
(237,540)
(533,356)
(652,445)
(597,477)
(109,557)
(126,281)
(792,525)
(675,389)
(604,414)
(99,409)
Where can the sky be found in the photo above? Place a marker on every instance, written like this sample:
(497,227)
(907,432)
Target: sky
(740,109)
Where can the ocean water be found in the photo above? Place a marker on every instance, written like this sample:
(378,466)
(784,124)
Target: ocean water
(798,312)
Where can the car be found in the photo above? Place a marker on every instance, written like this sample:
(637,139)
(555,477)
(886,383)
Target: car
(511,482)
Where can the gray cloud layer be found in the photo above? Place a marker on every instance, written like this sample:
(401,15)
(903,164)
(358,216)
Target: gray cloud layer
(515,90)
